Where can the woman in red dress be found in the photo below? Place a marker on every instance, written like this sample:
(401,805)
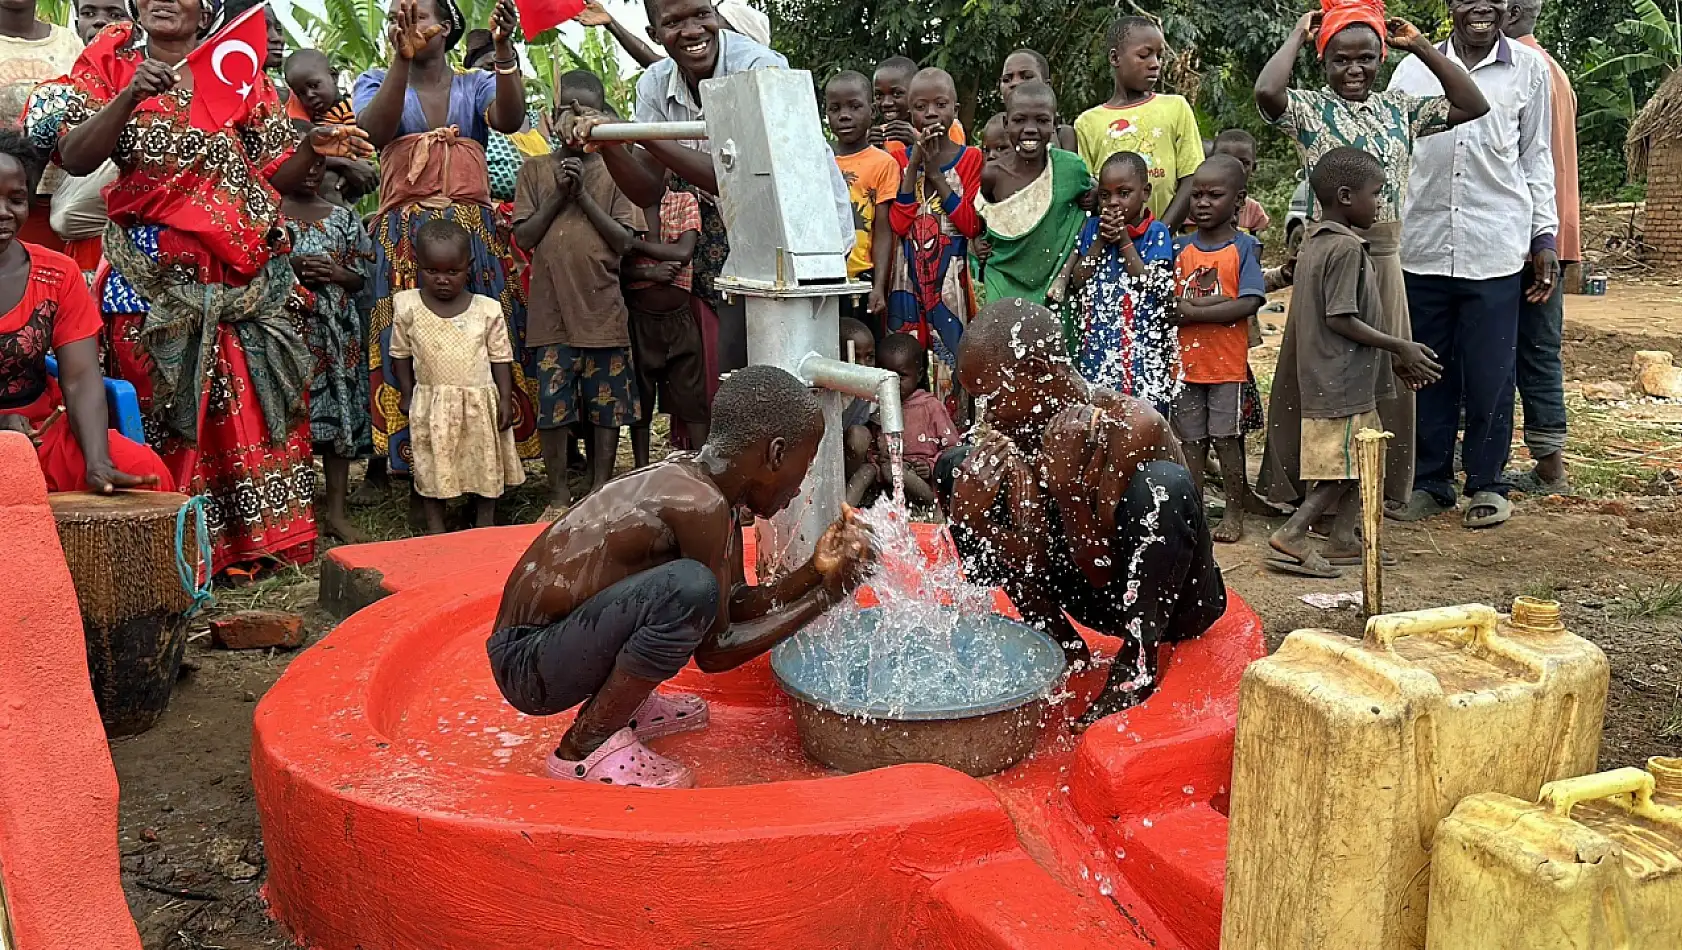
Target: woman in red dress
(196,298)
(44,305)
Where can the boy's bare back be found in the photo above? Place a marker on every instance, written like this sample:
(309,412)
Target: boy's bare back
(649,517)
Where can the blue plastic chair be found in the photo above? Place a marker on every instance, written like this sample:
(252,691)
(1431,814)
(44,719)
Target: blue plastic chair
(122,402)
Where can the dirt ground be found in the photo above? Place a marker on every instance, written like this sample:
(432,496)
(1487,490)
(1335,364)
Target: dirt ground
(192,852)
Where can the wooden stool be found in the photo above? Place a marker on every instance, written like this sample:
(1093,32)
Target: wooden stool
(121,551)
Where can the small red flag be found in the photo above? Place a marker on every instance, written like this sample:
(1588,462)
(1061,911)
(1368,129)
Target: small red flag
(228,70)
(539,15)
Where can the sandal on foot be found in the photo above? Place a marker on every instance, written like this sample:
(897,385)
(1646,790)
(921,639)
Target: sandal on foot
(1313,566)
(1421,505)
(1500,510)
(1532,484)
(667,714)
(1354,560)
(622,760)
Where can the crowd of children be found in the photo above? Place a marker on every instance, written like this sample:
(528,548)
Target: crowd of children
(1142,237)
(1137,232)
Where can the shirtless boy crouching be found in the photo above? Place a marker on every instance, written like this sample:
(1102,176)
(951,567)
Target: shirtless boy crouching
(646,573)
(1078,504)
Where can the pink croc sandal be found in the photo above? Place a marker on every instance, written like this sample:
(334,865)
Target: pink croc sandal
(623,760)
(667,714)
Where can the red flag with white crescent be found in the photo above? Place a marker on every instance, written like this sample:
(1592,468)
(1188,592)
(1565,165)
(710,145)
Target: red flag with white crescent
(228,70)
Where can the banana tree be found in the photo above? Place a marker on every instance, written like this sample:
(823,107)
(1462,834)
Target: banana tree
(1623,74)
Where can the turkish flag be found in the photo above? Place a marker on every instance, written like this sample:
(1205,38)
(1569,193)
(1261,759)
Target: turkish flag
(539,15)
(228,70)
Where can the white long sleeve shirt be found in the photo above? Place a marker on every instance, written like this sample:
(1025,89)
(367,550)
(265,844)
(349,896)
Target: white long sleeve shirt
(1480,196)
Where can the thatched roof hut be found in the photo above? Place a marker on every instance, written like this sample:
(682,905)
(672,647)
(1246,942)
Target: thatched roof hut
(1654,150)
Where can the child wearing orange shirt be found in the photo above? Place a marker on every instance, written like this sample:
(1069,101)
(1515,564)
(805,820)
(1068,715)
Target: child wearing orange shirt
(1218,276)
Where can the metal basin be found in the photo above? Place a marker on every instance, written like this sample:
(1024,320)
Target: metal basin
(1004,669)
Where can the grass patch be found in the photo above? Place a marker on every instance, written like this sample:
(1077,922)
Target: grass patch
(1542,588)
(1653,603)
(1671,728)
(1607,454)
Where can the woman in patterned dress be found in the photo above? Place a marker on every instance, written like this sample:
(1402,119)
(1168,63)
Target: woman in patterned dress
(195,301)
(432,124)
(1351,37)
(331,254)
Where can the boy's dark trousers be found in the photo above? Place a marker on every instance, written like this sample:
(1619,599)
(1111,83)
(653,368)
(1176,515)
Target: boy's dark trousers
(1472,326)
(1167,586)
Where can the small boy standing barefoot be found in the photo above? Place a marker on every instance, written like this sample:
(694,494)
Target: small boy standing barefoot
(1345,364)
(1219,278)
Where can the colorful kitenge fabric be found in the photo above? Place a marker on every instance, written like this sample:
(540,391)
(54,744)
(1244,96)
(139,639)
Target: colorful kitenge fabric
(1122,335)
(394,271)
(338,334)
(585,384)
(209,190)
(490,268)
(1384,126)
(200,221)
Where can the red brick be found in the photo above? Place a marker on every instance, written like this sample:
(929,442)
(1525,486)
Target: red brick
(258,630)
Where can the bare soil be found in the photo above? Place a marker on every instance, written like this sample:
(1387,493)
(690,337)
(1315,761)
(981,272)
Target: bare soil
(192,850)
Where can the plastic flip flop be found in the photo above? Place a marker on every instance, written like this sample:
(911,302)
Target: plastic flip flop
(622,760)
(1500,510)
(1420,505)
(1386,558)
(1313,566)
(667,714)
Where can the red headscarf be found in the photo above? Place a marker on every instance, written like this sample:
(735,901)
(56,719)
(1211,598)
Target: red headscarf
(1335,15)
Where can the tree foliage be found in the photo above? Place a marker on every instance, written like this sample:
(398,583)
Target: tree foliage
(1216,46)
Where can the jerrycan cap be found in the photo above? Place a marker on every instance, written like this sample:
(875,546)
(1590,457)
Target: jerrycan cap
(1531,613)
(1667,774)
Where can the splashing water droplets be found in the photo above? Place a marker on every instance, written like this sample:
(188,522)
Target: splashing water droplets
(918,652)
(896,466)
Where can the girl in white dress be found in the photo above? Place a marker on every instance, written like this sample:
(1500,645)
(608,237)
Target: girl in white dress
(453,361)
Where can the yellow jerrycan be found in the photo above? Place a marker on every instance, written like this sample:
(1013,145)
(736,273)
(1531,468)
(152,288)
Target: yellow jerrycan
(1594,864)
(1349,752)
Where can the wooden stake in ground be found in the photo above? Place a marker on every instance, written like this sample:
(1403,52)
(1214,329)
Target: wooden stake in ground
(1369,463)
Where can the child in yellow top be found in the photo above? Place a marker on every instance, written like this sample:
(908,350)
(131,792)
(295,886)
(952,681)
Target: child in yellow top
(1160,128)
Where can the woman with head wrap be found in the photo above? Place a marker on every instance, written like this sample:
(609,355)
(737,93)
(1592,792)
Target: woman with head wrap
(1352,38)
(431,123)
(195,301)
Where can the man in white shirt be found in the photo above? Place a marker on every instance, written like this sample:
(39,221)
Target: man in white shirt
(669,91)
(1479,210)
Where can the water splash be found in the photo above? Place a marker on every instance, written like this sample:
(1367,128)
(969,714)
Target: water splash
(922,647)
(896,465)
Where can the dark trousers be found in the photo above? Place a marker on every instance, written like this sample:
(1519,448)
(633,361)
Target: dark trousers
(1472,325)
(647,625)
(1541,372)
(1167,586)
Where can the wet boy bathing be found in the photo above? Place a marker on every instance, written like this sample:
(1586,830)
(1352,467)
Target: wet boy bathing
(1116,537)
(641,576)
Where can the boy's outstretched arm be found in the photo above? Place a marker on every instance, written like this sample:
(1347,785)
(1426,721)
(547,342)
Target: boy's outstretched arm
(759,618)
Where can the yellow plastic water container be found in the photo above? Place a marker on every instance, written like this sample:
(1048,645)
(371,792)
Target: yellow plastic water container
(1595,864)
(1349,752)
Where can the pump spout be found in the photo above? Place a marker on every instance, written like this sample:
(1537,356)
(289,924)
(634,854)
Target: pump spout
(865,382)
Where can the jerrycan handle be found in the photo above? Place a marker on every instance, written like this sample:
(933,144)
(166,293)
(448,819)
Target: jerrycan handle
(1383,630)
(1567,793)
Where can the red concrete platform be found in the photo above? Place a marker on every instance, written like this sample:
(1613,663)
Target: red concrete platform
(60,884)
(403,805)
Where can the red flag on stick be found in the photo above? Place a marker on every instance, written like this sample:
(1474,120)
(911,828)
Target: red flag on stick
(539,15)
(228,70)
